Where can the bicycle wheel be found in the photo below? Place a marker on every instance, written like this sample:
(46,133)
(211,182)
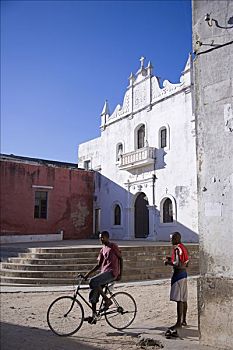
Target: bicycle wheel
(65,316)
(122,312)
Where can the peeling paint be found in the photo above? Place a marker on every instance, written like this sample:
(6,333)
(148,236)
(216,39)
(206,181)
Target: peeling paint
(182,194)
(79,216)
(228,117)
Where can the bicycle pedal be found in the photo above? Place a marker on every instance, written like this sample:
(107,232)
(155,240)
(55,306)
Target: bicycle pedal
(90,320)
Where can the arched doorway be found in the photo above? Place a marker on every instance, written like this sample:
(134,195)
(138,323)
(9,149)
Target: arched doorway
(141,216)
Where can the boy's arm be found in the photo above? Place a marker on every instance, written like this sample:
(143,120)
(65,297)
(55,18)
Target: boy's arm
(95,268)
(168,261)
(176,261)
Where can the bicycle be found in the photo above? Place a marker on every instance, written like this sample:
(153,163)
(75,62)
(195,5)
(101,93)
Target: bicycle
(65,315)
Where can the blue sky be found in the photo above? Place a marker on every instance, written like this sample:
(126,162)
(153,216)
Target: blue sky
(60,60)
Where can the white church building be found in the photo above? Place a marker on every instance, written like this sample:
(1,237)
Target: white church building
(145,161)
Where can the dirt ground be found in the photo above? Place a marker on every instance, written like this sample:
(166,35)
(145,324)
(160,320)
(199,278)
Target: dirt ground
(24,326)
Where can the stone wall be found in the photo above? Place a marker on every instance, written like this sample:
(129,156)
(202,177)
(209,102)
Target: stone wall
(213,74)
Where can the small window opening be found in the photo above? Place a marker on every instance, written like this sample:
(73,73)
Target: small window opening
(163,138)
(41,205)
(167,211)
(119,151)
(141,137)
(117,215)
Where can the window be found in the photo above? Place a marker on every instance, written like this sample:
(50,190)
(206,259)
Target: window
(87,164)
(141,137)
(117,215)
(163,138)
(167,211)
(41,205)
(119,151)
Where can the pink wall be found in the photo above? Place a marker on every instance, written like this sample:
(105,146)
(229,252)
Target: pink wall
(70,202)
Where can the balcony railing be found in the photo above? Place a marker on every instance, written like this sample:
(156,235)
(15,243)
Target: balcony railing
(136,159)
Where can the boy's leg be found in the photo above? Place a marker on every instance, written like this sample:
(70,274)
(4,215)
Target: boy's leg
(185,307)
(179,314)
(101,292)
(93,299)
(93,309)
(179,308)
(96,286)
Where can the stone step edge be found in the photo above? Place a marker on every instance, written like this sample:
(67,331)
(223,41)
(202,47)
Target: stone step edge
(79,262)
(32,267)
(70,281)
(49,283)
(128,271)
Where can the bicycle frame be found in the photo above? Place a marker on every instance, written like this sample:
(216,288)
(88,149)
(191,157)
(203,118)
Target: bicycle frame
(77,293)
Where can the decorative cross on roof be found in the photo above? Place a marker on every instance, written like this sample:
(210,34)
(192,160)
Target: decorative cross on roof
(142,59)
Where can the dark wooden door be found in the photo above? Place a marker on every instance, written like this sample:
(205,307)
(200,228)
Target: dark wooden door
(141,217)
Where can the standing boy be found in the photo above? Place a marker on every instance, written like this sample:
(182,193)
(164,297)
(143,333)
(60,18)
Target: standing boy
(179,292)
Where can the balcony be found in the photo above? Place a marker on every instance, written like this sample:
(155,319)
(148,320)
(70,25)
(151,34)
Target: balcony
(136,159)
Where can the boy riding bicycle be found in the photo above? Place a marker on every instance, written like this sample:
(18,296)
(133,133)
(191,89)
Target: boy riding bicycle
(110,263)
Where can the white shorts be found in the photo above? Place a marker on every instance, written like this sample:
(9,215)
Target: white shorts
(179,290)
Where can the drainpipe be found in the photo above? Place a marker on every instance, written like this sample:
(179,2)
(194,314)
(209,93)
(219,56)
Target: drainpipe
(154,178)
(153,187)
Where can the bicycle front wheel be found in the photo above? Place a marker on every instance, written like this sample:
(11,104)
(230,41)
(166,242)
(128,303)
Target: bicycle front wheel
(65,316)
(122,312)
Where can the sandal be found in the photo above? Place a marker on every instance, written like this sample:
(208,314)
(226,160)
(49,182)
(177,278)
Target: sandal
(171,333)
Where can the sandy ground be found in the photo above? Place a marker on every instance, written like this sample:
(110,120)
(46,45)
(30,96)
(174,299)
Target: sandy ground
(24,325)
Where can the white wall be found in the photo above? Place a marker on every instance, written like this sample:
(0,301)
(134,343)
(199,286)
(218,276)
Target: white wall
(146,103)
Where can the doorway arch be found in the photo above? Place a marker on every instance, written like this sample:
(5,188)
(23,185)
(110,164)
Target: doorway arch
(141,216)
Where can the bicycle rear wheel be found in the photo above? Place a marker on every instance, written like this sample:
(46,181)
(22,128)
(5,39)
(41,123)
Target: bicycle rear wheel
(65,316)
(122,312)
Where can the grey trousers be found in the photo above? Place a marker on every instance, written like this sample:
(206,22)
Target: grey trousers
(98,281)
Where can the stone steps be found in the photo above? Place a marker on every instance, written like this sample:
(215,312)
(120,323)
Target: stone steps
(60,266)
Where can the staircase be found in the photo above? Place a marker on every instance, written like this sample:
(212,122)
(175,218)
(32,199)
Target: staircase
(60,265)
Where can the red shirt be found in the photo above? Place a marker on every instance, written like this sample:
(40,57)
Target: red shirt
(183,254)
(109,259)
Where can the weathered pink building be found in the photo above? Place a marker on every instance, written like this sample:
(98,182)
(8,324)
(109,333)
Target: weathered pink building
(44,200)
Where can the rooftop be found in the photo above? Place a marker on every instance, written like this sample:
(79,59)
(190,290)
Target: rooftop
(22,159)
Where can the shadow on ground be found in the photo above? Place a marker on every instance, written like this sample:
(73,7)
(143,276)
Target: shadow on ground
(31,338)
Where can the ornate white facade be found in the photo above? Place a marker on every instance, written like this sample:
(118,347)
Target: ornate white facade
(145,161)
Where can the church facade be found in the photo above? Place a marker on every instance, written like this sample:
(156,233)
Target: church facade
(145,161)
